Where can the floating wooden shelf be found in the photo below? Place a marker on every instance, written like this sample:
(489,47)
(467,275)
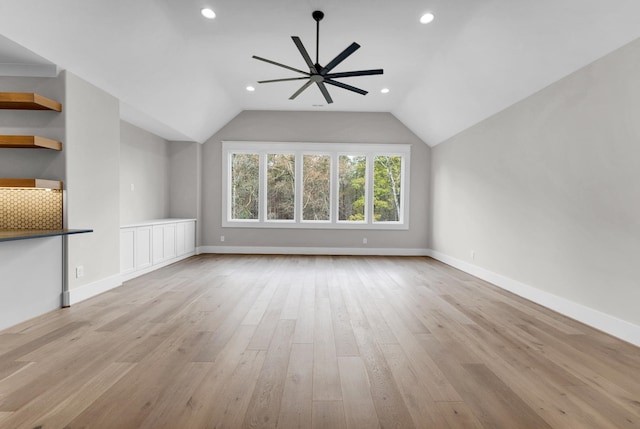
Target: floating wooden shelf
(30,183)
(27,101)
(29,142)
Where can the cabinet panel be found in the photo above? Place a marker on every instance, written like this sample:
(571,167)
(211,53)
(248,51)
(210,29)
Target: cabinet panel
(170,241)
(158,244)
(180,238)
(190,237)
(127,250)
(186,237)
(143,247)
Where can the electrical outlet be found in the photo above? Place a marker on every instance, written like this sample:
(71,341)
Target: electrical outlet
(364,241)
(79,271)
(222,238)
(473,255)
(133,187)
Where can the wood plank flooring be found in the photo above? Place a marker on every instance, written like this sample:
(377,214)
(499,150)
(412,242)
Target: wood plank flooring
(313,342)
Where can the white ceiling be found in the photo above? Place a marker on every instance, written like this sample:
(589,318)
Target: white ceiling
(184,77)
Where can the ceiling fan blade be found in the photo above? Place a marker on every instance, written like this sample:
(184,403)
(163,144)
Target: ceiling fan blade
(340,58)
(282,80)
(325,92)
(302,88)
(280,65)
(354,73)
(345,86)
(303,52)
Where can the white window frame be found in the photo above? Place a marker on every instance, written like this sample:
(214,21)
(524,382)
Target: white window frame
(334,151)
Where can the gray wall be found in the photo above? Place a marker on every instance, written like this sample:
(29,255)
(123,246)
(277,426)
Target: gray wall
(92,148)
(184,183)
(327,127)
(144,163)
(547,192)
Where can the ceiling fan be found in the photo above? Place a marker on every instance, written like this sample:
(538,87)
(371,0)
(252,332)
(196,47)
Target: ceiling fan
(318,74)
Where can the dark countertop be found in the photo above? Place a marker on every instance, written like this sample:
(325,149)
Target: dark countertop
(25,234)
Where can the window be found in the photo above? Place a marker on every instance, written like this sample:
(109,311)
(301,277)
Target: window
(244,186)
(352,179)
(315,185)
(387,186)
(281,191)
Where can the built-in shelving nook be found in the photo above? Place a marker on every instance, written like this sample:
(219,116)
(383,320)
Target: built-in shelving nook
(30,203)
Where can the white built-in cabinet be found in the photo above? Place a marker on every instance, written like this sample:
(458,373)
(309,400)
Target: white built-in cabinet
(149,245)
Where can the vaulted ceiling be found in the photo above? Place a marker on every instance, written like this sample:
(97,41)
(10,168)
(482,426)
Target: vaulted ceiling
(183,77)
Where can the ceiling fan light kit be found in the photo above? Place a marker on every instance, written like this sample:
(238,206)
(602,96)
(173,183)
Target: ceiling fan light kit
(318,74)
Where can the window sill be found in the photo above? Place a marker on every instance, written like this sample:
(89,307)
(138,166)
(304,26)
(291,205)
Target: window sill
(316,225)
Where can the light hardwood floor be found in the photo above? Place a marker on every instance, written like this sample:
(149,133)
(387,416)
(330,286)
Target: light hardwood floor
(313,342)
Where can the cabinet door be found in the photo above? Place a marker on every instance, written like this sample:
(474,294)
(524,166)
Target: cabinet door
(158,244)
(127,250)
(143,247)
(169,241)
(180,238)
(190,237)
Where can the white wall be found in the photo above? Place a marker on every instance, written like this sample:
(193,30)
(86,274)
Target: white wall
(144,163)
(27,292)
(92,148)
(328,127)
(547,192)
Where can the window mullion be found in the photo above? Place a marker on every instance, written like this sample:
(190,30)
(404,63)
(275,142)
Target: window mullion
(403,182)
(368,194)
(335,188)
(298,180)
(262,208)
(228,193)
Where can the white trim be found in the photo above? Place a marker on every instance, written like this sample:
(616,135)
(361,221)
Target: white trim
(316,147)
(604,322)
(74,296)
(158,222)
(90,290)
(31,70)
(346,251)
(133,274)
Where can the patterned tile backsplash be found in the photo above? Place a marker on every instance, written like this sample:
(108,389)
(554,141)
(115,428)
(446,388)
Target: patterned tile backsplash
(30,209)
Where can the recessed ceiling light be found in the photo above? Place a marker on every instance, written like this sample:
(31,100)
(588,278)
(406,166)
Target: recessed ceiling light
(427,18)
(384,90)
(251,88)
(208,13)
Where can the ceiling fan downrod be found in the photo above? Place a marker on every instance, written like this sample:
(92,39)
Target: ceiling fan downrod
(317,16)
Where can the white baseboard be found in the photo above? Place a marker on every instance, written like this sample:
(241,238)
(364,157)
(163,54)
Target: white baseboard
(81,293)
(342,251)
(604,322)
(87,291)
(138,273)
